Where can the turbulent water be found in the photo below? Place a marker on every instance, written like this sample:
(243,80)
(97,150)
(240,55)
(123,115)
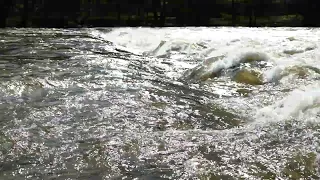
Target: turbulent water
(171,103)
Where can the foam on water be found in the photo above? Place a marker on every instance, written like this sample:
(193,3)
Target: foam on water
(299,104)
(107,104)
(280,47)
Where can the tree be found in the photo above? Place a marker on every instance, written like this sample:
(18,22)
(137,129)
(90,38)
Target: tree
(250,11)
(233,13)
(310,12)
(5,6)
(25,14)
(163,13)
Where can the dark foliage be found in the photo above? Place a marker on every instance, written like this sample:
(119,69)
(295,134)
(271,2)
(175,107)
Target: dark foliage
(78,13)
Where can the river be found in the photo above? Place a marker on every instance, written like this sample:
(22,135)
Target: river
(166,103)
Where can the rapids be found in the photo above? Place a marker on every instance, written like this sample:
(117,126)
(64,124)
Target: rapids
(160,103)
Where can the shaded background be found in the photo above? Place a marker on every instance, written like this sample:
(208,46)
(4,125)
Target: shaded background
(108,13)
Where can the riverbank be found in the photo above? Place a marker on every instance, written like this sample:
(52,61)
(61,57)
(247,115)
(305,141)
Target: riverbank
(133,21)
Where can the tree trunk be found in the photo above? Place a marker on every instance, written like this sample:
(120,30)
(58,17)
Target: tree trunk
(4,10)
(142,14)
(25,14)
(155,6)
(233,13)
(163,14)
(3,17)
(119,13)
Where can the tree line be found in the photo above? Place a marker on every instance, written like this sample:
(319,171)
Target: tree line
(106,13)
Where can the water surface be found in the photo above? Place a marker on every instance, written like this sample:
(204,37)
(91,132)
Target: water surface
(171,103)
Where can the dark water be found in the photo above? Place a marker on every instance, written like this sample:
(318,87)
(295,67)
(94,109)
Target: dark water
(72,106)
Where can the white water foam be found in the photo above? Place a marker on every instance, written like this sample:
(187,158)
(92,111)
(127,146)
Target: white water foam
(303,104)
(281,47)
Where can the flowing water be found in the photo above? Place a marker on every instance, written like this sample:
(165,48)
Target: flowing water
(171,103)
